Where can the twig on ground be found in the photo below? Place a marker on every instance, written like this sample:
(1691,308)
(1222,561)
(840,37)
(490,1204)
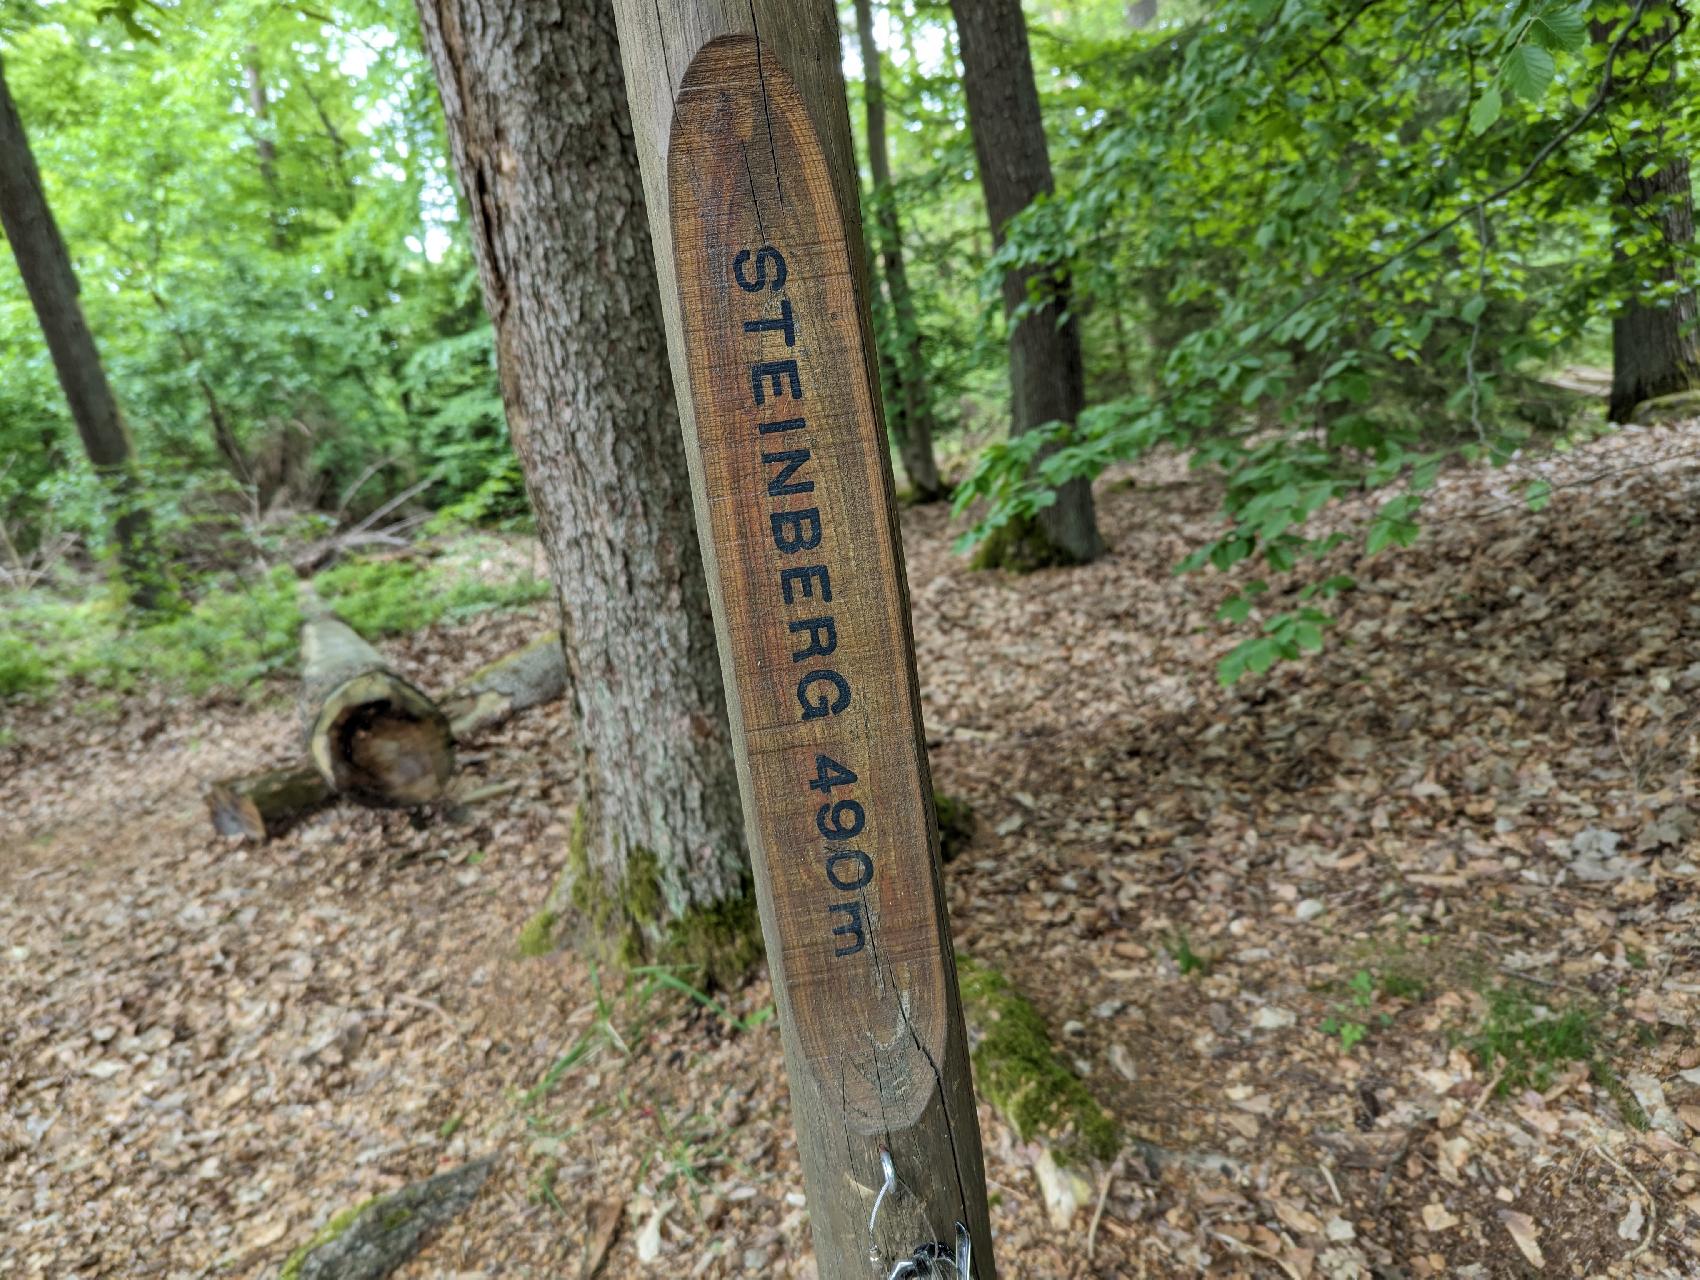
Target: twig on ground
(1332,1185)
(1240,1246)
(420,1002)
(1652,1205)
(1103,1196)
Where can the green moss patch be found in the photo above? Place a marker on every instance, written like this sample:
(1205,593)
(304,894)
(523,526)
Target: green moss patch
(332,1230)
(537,935)
(1018,1071)
(1020,545)
(956,824)
(628,925)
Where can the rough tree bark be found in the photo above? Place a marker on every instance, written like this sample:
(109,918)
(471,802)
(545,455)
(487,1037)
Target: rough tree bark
(909,412)
(1655,348)
(52,286)
(542,145)
(1046,374)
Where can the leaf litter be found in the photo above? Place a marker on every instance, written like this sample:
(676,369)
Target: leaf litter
(1382,961)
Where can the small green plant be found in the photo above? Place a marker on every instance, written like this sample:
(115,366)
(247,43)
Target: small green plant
(1186,959)
(1525,1043)
(1352,1021)
(644,985)
(1351,1032)
(688,1152)
(666,978)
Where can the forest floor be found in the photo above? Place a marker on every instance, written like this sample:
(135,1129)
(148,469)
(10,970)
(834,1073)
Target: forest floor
(1389,960)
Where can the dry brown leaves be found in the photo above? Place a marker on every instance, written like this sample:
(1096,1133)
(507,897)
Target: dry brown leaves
(211,1049)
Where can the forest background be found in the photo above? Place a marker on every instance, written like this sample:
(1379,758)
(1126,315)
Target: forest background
(1323,248)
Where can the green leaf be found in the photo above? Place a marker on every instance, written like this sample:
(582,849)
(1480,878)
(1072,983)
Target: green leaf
(1528,71)
(1560,29)
(1236,608)
(1486,110)
(1537,495)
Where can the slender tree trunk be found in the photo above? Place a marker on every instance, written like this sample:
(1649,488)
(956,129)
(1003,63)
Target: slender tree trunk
(1047,378)
(910,414)
(224,435)
(264,148)
(51,283)
(1655,347)
(542,145)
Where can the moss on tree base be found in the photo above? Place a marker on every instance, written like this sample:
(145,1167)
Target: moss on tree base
(1022,546)
(627,924)
(1021,1074)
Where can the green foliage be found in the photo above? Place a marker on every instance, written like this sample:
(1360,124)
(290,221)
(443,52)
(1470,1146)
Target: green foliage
(1352,235)
(238,632)
(390,597)
(1186,959)
(1524,1043)
(317,297)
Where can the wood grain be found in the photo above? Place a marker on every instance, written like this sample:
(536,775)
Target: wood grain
(742,127)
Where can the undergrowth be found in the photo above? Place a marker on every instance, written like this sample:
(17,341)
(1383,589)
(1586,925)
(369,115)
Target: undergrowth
(1526,1044)
(236,632)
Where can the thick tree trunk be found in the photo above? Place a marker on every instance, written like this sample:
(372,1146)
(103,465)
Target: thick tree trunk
(370,733)
(1047,378)
(1655,348)
(51,283)
(911,416)
(542,144)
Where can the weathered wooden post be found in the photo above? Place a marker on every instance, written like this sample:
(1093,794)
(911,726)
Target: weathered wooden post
(744,136)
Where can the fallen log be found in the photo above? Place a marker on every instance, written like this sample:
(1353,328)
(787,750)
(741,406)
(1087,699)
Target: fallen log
(526,678)
(371,734)
(261,805)
(257,806)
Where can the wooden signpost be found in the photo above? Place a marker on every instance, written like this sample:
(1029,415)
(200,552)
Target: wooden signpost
(743,131)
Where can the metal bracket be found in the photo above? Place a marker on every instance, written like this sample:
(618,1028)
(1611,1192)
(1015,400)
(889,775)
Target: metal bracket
(932,1261)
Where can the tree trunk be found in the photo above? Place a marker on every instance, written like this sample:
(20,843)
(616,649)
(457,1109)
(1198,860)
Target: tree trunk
(265,150)
(1655,347)
(911,417)
(51,283)
(542,145)
(1046,374)
(370,733)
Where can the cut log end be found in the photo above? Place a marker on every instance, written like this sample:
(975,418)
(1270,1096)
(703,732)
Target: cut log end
(381,740)
(261,805)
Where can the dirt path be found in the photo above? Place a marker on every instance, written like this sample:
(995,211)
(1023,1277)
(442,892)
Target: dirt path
(1278,928)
